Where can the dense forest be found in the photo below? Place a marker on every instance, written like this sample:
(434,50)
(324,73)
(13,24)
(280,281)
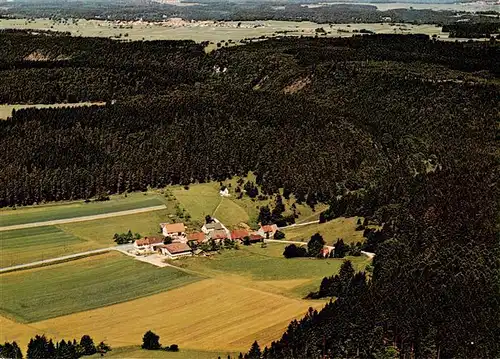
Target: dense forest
(290,10)
(401,130)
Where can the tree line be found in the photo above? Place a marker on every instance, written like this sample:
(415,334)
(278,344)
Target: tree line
(40,347)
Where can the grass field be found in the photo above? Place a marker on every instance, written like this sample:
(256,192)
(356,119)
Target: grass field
(199,200)
(209,32)
(338,228)
(267,269)
(6,110)
(230,213)
(135,352)
(204,198)
(56,211)
(83,284)
(209,315)
(33,244)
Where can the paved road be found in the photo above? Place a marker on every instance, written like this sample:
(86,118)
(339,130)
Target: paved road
(82,219)
(124,248)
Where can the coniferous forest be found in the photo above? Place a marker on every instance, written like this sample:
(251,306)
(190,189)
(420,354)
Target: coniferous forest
(399,129)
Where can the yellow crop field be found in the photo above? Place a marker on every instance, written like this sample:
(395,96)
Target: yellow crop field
(208,315)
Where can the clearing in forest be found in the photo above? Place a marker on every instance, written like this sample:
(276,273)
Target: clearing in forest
(342,227)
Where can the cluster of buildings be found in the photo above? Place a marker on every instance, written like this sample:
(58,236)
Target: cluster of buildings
(180,239)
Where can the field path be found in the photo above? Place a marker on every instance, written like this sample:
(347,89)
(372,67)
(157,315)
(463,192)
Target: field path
(300,224)
(55,260)
(82,219)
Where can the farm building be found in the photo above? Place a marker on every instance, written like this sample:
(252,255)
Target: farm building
(224,192)
(268,231)
(175,250)
(177,231)
(215,225)
(148,244)
(255,237)
(218,235)
(239,234)
(198,237)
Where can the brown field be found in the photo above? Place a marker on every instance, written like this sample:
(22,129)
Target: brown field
(208,315)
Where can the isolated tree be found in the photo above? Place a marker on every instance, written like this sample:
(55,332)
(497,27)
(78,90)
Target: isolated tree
(208,219)
(315,245)
(88,345)
(292,251)
(151,341)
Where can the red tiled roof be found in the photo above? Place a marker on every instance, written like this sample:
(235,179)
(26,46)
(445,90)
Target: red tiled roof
(219,234)
(174,227)
(148,241)
(239,234)
(256,237)
(174,248)
(198,236)
(269,228)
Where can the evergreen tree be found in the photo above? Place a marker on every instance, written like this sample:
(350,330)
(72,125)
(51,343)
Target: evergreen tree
(10,351)
(254,352)
(39,348)
(340,249)
(315,245)
(265,216)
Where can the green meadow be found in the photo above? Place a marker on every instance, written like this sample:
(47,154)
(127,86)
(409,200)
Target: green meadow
(93,282)
(51,212)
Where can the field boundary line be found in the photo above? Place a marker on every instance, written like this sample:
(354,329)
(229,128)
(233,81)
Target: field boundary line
(83,218)
(57,260)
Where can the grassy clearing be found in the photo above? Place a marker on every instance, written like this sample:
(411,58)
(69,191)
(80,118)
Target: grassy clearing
(50,212)
(199,200)
(338,228)
(211,315)
(203,198)
(266,264)
(252,206)
(267,269)
(83,284)
(34,244)
(135,352)
(6,110)
(230,213)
